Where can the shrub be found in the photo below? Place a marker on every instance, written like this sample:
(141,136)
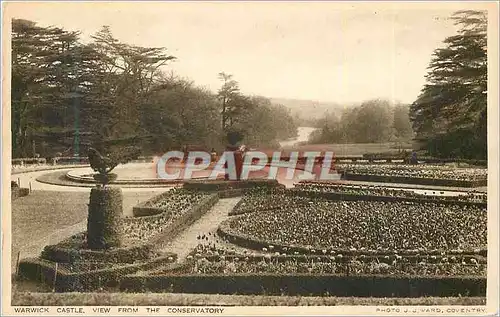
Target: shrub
(308,284)
(104,226)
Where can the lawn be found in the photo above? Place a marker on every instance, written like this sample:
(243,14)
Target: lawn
(160,299)
(357,149)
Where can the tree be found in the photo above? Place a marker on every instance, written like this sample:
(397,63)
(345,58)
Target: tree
(124,77)
(179,113)
(450,114)
(371,122)
(48,65)
(113,96)
(230,98)
(402,124)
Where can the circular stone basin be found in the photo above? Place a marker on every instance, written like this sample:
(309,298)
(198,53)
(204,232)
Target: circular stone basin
(134,173)
(146,173)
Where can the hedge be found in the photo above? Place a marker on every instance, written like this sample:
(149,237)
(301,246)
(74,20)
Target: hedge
(308,284)
(351,197)
(104,224)
(302,258)
(217,185)
(249,242)
(426,159)
(70,250)
(44,271)
(415,180)
(144,209)
(17,192)
(230,193)
(70,160)
(56,253)
(67,252)
(29,160)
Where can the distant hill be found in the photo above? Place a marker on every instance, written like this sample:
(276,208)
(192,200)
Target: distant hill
(309,109)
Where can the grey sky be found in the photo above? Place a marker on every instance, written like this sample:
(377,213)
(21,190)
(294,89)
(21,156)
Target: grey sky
(340,52)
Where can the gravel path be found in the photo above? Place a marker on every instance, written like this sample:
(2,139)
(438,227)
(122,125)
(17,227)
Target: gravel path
(31,178)
(205,226)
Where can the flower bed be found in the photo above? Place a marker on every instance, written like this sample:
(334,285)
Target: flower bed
(418,171)
(364,190)
(215,254)
(267,199)
(363,226)
(166,225)
(395,265)
(169,201)
(73,249)
(221,185)
(416,174)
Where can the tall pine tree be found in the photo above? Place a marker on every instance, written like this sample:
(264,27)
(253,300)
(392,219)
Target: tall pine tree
(449,116)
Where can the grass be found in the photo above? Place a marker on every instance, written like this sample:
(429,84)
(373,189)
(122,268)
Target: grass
(352,149)
(167,299)
(43,212)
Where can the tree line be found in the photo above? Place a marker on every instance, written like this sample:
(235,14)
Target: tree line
(449,117)
(374,121)
(65,93)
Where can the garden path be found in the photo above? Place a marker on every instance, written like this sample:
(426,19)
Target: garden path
(205,226)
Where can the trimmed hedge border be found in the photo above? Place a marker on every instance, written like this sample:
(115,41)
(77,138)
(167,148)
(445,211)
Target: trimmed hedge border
(231,193)
(142,210)
(28,161)
(308,284)
(221,185)
(249,242)
(17,192)
(426,159)
(414,180)
(302,258)
(44,271)
(62,253)
(56,253)
(353,197)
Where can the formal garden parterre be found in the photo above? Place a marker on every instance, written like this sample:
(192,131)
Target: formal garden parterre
(288,241)
(72,265)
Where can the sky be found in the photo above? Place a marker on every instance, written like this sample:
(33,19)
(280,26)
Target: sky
(325,51)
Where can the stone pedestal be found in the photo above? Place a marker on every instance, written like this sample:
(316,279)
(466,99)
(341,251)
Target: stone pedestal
(104,224)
